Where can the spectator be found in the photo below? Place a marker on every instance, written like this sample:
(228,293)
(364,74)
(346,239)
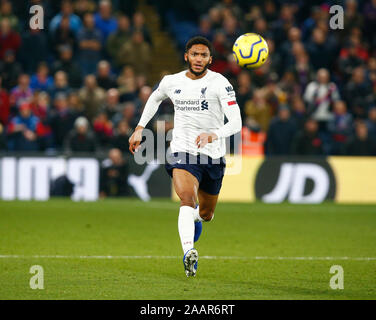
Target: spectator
(128,113)
(6,12)
(320,51)
(61,120)
(103,129)
(89,42)
(22,130)
(104,77)
(319,96)
(3,143)
(289,85)
(4,105)
(118,38)
(142,98)
(41,80)
(294,35)
(75,103)
(273,93)
(259,110)
(371,72)
(113,176)
(136,53)
(275,64)
(74,22)
(352,17)
(298,111)
(369,13)
(221,50)
(34,49)
(284,22)
(9,39)
(358,93)
(308,142)
(270,10)
(371,122)
(91,96)
(139,25)
(244,90)
(66,64)
(22,92)
(81,7)
(104,20)
(40,107)
(215,16)
(340,127)
(301,67)
(281,132)
(112,105)
(361,144)
(10,70)
(60,85)
(261,27)
(349,61)
(80,139)
(205,28)
(230,28)
(127,84)
(121,136)
(63,37)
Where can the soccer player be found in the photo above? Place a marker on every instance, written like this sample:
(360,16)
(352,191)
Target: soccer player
(201,99)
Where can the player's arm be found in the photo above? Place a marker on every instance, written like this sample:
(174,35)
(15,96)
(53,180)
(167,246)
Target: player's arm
(150,109)
(232,112)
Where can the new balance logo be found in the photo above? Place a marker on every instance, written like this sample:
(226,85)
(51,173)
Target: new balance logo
(229,89)
(177,91)
(204,105)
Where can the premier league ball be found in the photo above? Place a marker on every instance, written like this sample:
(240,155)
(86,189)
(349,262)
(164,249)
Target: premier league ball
(250,50)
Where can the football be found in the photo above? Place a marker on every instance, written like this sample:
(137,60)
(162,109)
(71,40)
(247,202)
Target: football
(250,50)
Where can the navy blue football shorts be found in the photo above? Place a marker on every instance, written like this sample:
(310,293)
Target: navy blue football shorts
(209,172)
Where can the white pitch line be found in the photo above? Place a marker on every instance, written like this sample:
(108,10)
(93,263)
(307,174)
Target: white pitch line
(17,256)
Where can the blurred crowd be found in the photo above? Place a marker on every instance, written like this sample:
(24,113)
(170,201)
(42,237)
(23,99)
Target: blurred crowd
(80,84)
(316,94)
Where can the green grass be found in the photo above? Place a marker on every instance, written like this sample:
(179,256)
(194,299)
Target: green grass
(133,228)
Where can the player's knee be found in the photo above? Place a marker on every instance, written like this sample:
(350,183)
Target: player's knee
(187,199)
(207,215)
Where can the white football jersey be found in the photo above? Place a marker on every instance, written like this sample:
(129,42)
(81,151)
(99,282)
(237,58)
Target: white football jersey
(200,107)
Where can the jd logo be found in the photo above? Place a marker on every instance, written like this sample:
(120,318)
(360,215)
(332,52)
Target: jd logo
(297,182)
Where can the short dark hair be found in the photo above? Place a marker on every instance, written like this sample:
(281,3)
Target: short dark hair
(198,40)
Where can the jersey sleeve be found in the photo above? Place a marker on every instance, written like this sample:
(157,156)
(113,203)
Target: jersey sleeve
(227,99)
(155,99)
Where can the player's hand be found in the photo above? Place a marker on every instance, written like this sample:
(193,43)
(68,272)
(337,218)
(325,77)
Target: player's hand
(135,139)
(204,138)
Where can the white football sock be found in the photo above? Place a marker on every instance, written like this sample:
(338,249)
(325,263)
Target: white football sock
(196,215)
(186,227)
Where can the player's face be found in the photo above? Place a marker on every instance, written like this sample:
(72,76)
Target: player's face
(198,58)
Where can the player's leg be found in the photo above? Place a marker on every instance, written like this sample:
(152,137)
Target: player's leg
(204,211)
(186,187)
(210,186)
(207,203)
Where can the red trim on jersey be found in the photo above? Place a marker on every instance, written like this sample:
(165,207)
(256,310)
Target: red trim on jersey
(230,103)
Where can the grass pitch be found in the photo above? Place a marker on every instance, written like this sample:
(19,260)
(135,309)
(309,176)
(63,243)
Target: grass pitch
(126,249)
